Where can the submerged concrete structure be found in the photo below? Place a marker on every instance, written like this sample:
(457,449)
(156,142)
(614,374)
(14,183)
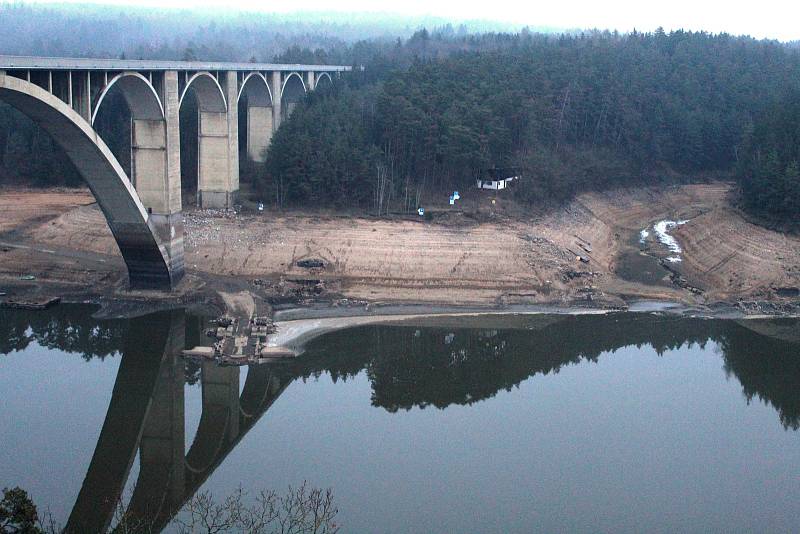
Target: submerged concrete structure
(146,415)
(63,96)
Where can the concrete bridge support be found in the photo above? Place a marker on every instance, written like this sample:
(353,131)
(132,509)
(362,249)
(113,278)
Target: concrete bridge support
(221,394)
(259,132)
(156,176)
(218,143)
(162,440)
(219,422)
(213,187)
(277,108)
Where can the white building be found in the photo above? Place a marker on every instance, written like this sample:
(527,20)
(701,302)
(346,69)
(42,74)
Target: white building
(496,182)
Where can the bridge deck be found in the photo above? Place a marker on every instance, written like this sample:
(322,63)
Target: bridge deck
(60,63)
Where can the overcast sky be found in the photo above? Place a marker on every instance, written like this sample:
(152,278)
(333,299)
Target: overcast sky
(776,19)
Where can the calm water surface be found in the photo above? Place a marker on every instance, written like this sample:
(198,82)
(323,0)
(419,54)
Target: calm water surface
(618,423)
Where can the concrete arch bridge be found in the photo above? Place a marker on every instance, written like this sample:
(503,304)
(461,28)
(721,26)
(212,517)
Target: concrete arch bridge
(143,210)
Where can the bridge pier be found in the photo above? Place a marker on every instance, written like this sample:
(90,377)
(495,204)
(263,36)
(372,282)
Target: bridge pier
(259,132)
(218,144)
(277,108)
(156,175)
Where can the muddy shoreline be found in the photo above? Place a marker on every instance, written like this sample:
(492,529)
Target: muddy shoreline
(296,265)
(293,324)
(208,301)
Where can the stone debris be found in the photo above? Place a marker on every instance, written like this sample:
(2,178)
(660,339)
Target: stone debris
(41,303)
(790,292)
(571,274)
(225,321)
(349,302)
(300,288)
(681,281)
(203,226)
(541,253)
(754,307)
(311,263)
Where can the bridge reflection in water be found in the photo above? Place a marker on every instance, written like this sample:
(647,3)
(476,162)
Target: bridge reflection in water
(146,415)
(435,361)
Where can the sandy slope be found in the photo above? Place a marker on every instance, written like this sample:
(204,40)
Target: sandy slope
(507,259)
(729,257)
(26,206)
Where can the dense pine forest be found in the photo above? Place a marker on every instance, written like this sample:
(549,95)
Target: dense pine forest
(769,168)
(431,111)
(575,112)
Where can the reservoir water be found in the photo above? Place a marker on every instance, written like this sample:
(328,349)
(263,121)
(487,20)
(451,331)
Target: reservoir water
(596,423)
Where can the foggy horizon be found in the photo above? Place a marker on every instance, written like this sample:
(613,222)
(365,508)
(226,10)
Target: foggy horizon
(574,16)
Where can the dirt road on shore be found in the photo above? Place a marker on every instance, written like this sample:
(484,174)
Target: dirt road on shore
(61,237)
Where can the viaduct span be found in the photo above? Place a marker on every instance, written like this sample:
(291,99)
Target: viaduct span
(63,96)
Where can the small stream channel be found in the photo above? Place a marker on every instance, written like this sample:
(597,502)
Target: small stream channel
(642,259)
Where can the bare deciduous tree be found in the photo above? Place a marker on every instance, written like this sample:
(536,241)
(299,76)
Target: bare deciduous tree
(381,189)
(302,510)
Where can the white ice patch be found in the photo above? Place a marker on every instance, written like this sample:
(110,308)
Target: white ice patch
(674,259)
(662,229)
(643,235)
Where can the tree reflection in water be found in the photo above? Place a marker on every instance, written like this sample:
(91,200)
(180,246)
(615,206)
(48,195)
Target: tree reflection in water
(434,362)
(68,328)
(443,365)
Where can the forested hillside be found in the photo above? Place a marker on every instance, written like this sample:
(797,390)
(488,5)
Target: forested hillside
(431,111)
(576,112)
(769,169)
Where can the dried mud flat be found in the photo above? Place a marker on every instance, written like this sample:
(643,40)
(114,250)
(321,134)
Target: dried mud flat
(60,237)
(31,206)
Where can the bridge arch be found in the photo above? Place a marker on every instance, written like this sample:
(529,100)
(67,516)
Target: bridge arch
(146,254)
(138,92)
(320,77)
(211,438)
(293,86)
(292,92)
(255,88)
(258,393)
(210,95)
(255,121)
